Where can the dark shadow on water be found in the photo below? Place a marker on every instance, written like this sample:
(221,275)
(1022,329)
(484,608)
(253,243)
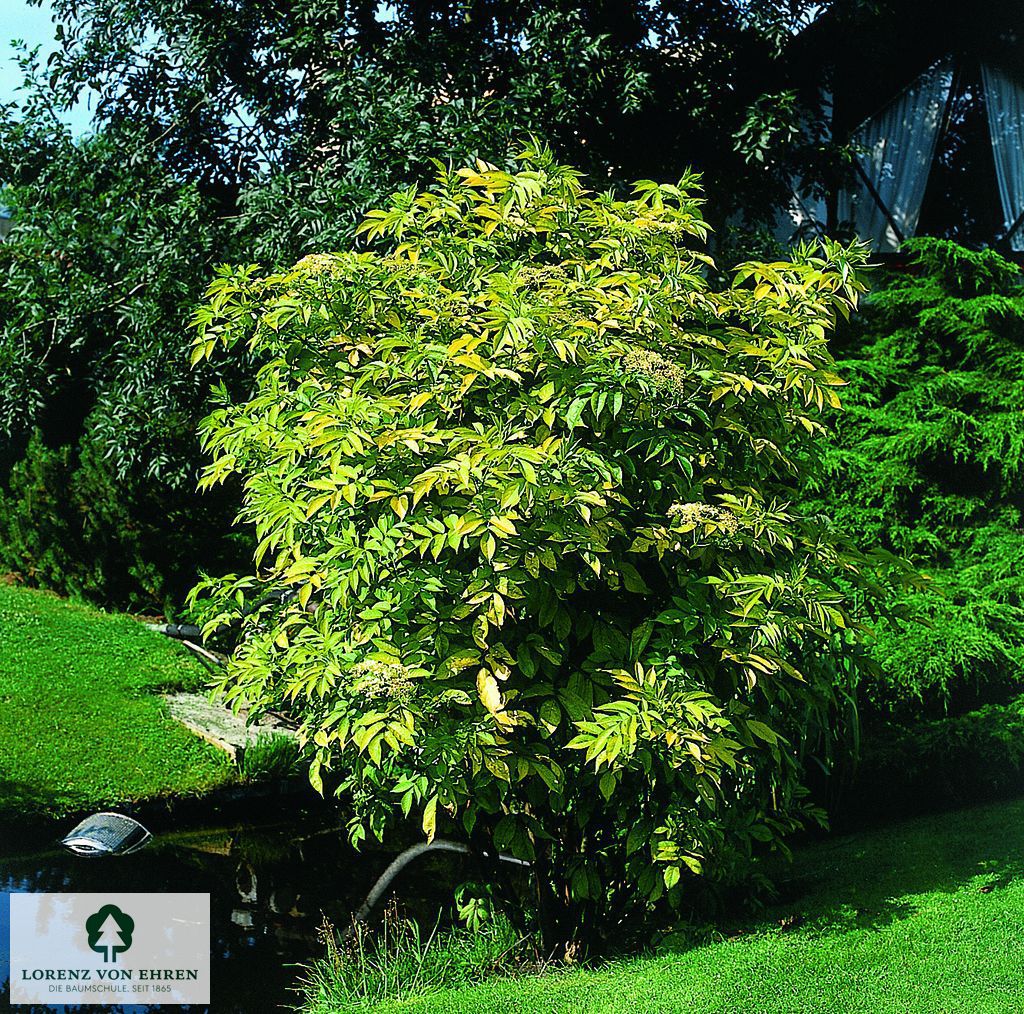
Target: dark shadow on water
(271,886)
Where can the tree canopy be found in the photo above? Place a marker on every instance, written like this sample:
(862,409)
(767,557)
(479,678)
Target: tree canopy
(261,132)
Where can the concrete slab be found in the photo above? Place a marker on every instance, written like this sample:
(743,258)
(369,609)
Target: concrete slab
(220,726)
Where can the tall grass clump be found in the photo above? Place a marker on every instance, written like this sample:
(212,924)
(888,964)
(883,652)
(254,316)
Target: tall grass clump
(271,757)
(398,960)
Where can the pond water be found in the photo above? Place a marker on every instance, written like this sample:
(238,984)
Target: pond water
(271,886)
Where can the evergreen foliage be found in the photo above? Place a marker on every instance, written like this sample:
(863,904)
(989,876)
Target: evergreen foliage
(70,522)
(937,765)
(928,462)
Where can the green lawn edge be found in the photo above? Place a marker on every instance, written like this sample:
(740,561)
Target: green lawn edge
(925,916)
(82,725)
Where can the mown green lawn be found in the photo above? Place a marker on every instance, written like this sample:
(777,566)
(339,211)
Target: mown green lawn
(926,917)
(81,724)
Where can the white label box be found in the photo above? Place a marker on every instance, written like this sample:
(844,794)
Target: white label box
(110,948)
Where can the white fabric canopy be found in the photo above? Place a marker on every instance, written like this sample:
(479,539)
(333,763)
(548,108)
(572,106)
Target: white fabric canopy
(1004,101)
(802,218)
(896,150)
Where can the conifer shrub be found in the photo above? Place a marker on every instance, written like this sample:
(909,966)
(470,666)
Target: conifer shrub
(70,523)
(927,462)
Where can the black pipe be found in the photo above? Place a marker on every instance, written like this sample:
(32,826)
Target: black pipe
(190,632)
(179,631)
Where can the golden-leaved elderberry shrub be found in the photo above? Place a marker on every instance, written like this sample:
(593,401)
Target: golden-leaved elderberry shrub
(526,477)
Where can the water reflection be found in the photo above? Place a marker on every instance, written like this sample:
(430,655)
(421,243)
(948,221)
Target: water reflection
(270,888)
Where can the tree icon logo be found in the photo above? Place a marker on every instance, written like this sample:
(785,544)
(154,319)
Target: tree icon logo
(110,932)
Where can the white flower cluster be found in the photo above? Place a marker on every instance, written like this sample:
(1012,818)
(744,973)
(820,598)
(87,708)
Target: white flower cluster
(542,272)
(704,514)
(317,264)
(375,680)
(667,377)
